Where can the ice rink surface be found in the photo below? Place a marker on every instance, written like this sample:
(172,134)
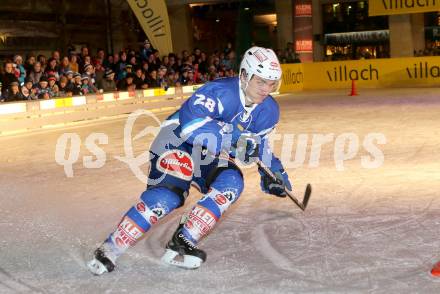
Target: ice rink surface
(366,230)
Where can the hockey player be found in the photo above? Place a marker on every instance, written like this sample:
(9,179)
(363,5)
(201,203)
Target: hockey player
(198,145)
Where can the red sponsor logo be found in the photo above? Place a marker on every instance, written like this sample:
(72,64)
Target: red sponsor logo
(189,225)
(203,221)
(220,199)
(140,207)
(153,219)
(176,163)
(127,233)
(274,64)
(304,45)
(260,56)
(303,10)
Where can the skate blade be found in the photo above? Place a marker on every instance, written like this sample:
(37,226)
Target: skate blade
(188,262)
(96,267)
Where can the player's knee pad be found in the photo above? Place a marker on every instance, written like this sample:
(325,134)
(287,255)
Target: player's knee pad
(154,204)
(225,190)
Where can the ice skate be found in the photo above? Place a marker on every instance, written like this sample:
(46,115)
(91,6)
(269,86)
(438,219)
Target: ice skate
(183,253)
(101,263)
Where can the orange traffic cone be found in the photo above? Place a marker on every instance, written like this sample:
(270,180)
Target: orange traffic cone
(436,270)
(353,88)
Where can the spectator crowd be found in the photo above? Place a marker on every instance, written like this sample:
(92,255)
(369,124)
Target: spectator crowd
(40,77)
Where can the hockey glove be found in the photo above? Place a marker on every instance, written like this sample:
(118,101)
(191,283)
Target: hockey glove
(276,186)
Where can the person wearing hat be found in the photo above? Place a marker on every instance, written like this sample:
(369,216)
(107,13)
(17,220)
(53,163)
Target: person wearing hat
(20,71)
(127,83)
(76,88)
(89,70)
(146,51)
(162,77)
(28,91)
(85,85)
(108,84)
(128,69)
(53,86)
(184,77)
(14,93)
(172,78)
(69,75)
(42,89)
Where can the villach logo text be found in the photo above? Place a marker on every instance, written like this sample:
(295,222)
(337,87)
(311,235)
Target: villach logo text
(423,70)
(342,73)
(399,4)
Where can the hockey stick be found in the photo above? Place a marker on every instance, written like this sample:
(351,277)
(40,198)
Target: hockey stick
(307,193)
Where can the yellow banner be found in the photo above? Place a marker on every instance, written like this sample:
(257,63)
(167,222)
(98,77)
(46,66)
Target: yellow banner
(388,7)
(153,17)
(368,73)
(292,78)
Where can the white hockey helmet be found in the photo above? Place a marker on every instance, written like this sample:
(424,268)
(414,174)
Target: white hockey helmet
(262,62)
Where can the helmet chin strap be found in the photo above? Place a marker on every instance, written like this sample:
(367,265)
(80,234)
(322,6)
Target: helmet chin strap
(248,100)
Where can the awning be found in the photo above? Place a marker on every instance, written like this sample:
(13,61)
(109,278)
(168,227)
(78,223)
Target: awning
(357,38)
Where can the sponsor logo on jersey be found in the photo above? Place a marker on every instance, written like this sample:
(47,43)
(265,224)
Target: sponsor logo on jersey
(127,233)
(189,225)
(245,117)
(176,163)
(159,211)
(153,219)
(220,199)
(223,199)
(150,215)
(140,207)
(230,195)
(200,222)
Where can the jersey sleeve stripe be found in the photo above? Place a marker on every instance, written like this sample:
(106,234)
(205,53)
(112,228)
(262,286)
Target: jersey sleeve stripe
(194,125)
(264,132)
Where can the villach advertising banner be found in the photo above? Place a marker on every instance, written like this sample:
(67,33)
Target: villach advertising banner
(153,17)
(368,73)
(388,7)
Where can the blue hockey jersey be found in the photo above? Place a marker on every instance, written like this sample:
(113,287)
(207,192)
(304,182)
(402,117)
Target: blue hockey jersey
(217,105)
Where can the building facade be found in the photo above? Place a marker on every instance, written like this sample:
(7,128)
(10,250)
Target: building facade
(315,29)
